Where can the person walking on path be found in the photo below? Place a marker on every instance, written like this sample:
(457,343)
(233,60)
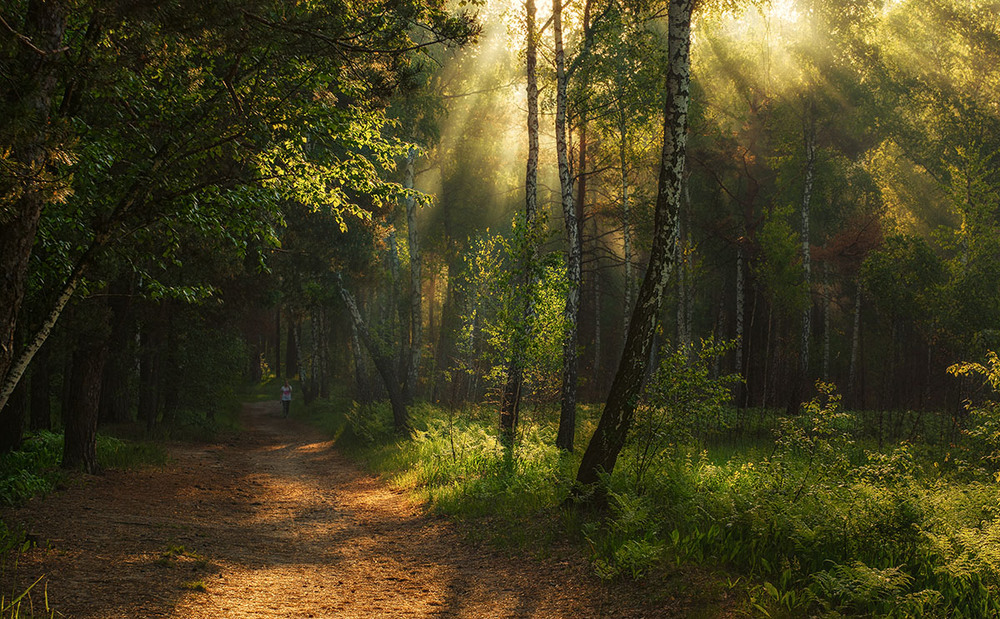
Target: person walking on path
(286,398)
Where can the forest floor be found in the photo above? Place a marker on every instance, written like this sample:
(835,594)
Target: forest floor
(274,522)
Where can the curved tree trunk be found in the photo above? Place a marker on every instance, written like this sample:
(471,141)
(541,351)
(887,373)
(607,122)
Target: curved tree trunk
(616,419)
(384,364)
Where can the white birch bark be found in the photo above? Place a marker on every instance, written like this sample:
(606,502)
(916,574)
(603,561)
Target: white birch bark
(616,419)
(567,418)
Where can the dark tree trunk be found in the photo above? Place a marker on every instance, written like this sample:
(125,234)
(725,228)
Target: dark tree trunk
(612,429)
(41,390)
(277,342)
(80,439)
(12,418)
(292,349)
(150,362)
(169,382)
(116,395)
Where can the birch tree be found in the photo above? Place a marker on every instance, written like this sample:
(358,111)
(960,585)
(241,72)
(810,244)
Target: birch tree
(510,400)
(616,419)
(567,417)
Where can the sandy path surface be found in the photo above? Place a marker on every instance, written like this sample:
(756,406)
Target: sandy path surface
(275,523)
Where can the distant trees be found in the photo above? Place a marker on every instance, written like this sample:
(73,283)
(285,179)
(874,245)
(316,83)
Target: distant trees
(167,172)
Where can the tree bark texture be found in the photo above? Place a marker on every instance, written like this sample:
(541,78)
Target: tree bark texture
(567,415)
(616,419)
(90,351)
(80,438)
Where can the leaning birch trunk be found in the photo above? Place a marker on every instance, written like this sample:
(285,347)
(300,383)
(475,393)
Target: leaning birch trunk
(360,368)
(416,298)
(383,364)
(616,419)
(16,369)
(510,400)
(567,415)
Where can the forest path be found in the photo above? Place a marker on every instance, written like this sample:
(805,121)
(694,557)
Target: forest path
(276,523)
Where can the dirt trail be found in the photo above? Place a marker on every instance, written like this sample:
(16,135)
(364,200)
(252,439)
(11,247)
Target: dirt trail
(275,523)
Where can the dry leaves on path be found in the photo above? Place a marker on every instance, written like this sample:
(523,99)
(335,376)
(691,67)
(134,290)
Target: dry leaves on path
(275,523)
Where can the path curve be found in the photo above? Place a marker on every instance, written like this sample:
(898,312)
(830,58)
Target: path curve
(276,523)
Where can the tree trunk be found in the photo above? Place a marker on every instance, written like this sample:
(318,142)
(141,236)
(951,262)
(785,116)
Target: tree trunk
(151,338)
(826,322)
(740,311)
(41,389)
(80,439)
(799,382)
(510,399)
(361,378)
(855,345)
(616,419)
(12,419)
(277,342)
(116,403)
(416,293)
(567,416)
(292,347)
(598,371)
(383,364)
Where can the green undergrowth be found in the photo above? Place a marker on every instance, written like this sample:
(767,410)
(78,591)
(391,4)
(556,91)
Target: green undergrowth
(34,470)
(815,519)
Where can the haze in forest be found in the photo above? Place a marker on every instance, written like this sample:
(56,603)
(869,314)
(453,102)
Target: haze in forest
(701,286)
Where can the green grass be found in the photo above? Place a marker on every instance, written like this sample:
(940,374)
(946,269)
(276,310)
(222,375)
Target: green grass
(828,514)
